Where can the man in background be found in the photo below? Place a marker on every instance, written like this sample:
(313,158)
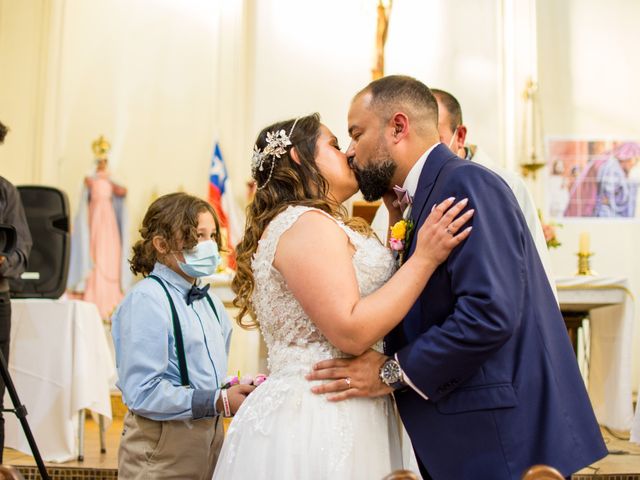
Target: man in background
(11,266)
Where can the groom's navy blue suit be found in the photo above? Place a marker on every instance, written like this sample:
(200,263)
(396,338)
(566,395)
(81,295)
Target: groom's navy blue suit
(487,344)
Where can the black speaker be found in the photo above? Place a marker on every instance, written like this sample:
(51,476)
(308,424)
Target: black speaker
(47,211)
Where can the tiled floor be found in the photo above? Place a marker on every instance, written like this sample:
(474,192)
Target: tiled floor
(623,462)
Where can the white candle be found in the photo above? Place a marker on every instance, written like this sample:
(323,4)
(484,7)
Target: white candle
(584,243)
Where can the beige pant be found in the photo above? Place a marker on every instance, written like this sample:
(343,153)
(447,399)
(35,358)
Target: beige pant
(173,449)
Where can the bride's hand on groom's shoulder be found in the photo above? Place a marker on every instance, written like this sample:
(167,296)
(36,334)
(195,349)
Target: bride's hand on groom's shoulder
(350,377)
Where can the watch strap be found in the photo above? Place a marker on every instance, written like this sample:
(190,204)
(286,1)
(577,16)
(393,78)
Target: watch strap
(400,383)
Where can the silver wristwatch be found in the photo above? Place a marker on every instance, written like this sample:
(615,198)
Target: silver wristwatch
(391,374)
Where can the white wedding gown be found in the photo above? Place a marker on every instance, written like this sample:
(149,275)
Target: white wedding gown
(283,430)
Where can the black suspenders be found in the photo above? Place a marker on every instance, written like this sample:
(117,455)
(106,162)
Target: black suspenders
(177,332)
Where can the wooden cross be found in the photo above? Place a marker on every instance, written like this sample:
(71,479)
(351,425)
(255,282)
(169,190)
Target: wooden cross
(384,11)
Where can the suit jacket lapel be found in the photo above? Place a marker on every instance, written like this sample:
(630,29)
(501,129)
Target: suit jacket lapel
(430,172)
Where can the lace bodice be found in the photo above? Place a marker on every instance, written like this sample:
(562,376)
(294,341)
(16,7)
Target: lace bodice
(292,339)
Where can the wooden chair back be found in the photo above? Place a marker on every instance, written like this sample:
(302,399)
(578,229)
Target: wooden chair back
(542,472)
(401,475)
(9,472)
(366,210)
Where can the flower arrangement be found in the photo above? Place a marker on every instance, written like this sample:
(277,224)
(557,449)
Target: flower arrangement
(549,230)
(232,380)
(237,380)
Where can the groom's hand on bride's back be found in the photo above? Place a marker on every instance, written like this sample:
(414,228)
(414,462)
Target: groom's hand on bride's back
(350,377)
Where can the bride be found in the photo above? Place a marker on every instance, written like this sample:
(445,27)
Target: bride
(319,285)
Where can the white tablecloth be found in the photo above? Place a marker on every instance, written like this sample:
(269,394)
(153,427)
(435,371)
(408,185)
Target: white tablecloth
(635,426)
(60,363)
(611,313)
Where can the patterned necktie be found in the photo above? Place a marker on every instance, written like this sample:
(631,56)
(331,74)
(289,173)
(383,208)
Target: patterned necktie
(404,199)
(196,293)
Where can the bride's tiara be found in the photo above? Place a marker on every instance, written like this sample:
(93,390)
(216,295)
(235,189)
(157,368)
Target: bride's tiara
(277,143)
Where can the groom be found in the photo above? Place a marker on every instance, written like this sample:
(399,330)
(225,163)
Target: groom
(484,375)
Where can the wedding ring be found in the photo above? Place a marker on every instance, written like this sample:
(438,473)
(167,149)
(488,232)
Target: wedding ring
(449,231)
(348,381)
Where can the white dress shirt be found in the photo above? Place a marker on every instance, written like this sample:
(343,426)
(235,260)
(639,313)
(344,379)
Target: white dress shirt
(413,177)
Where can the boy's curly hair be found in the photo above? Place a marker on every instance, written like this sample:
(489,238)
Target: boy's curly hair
(174,218)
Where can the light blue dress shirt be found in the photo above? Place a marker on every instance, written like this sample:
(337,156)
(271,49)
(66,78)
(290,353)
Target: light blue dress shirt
(148,373)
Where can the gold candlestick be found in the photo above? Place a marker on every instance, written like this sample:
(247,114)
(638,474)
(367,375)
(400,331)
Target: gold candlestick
(583,264)
(531,131)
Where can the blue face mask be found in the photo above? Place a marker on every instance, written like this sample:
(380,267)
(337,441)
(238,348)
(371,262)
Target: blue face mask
(202,260)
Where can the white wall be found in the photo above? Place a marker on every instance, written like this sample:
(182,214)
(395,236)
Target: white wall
(156,77)
(22,50)
(316,59)
(177,74)
(589,77)
(432,41)
(310,60)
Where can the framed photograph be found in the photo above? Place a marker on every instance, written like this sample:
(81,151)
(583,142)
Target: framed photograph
(593,178)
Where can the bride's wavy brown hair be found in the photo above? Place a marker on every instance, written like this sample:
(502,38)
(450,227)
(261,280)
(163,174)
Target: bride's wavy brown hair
(291,183)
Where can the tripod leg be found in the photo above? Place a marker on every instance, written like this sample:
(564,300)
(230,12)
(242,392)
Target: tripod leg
(21,413)
(81,419)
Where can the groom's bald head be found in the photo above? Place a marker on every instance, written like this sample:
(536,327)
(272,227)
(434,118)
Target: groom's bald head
(401,93)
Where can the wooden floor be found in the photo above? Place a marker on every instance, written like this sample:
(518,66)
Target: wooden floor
(95,465)
(622,463)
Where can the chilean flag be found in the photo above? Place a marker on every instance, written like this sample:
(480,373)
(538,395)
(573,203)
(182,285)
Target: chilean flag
(221,200)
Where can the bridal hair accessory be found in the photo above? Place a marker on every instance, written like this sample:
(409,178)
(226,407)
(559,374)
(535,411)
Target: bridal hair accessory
(277,143)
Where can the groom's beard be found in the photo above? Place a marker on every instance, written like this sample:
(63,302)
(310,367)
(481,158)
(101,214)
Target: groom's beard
(374,180)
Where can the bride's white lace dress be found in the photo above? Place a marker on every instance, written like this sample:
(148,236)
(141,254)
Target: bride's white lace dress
(283,430)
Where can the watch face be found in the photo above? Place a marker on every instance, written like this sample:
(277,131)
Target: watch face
(391,372)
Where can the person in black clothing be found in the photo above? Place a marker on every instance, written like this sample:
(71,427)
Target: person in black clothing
(11,266)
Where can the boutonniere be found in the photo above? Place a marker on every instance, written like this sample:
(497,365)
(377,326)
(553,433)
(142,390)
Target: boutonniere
(401,237)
